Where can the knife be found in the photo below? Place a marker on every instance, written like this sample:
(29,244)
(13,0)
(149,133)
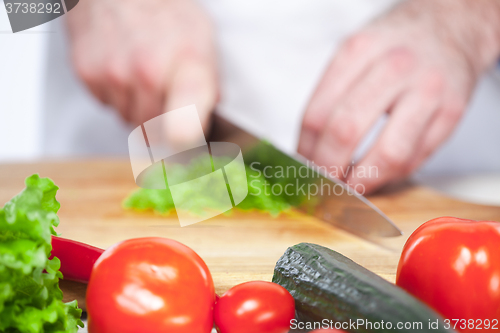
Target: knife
(311,189)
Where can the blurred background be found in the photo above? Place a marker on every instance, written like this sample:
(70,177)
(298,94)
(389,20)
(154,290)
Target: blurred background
(46,112)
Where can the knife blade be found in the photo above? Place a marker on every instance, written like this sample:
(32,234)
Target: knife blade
(310,188)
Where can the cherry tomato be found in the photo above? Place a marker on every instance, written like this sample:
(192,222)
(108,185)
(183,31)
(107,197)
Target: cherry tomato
(453,265)
(252,307)
(150,285)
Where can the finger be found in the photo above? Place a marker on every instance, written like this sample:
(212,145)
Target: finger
(390,157)
(88,68)
(151,75)
(440,129)
(372,96)
(95,85)
(194,82)
(353,58)
(118,80)
(147,104)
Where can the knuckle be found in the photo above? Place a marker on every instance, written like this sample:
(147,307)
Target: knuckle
(433,84)
(360,42)
(309,124)
(147,70)
(83,65)
(84,69)
(399,61)
(344,130)
(453,111)
(115,73)
(395,154)
(312,122)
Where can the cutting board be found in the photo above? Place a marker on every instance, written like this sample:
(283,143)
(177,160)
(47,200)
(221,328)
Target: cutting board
(237,248)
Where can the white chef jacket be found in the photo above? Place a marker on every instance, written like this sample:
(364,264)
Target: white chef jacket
(271,56)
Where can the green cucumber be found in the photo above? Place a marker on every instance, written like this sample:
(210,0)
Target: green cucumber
(330,288)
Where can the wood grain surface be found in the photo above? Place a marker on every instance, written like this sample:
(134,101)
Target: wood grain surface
(237,248)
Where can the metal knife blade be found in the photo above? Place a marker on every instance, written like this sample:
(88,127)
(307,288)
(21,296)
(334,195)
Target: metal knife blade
(311,190)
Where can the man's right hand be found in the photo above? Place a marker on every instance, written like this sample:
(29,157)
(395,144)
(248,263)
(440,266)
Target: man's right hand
(146,57)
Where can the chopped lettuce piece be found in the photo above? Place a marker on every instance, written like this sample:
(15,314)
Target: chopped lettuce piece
(160,200)
(30,297)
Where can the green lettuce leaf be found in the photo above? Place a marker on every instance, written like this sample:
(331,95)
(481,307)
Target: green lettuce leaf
(30,297)
(160,200)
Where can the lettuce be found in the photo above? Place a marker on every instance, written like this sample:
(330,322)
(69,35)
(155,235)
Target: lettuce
(30,297)
(259,197)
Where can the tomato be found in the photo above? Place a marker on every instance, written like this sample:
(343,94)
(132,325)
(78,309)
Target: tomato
(252,307)
(453,265)
(150,285)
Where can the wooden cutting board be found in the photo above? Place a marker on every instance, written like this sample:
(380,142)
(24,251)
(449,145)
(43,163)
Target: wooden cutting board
(237,248)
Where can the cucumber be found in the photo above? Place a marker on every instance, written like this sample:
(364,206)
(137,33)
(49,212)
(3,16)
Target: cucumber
(330,288)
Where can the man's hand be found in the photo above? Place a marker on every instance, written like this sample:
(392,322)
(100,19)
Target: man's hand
(419,63)
(146,57)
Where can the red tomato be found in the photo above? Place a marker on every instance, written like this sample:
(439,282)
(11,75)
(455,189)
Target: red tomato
(150,285)
(252,307)
(453,265)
